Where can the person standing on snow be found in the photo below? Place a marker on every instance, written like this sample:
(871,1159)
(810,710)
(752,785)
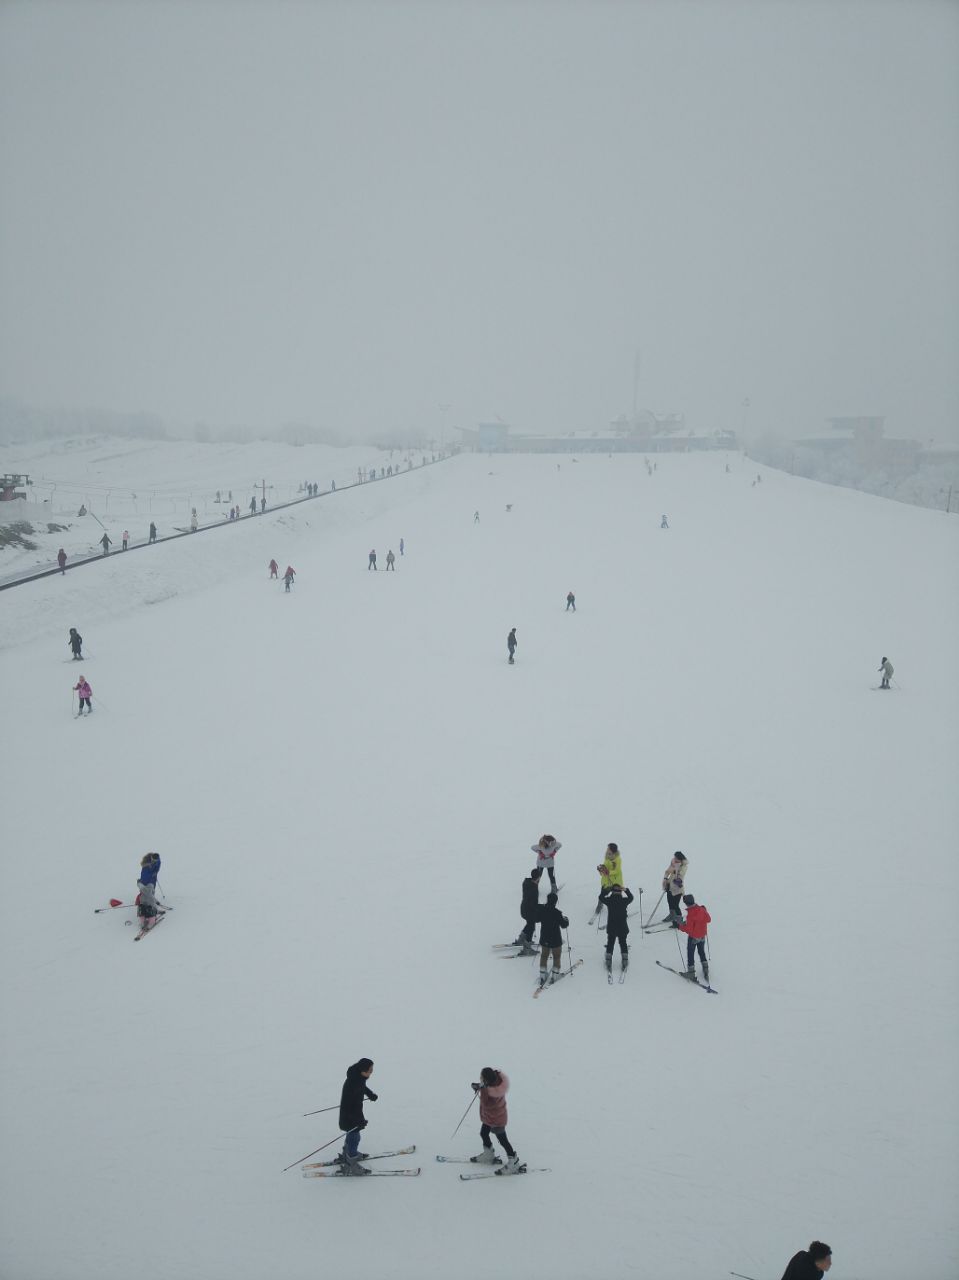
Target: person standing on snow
(610,873)
(372,561)
(82,688)
(492,1087)
(546,850)
(402,546)
(146,903)
(697,920)
(76,643)
(664,523)
(616,900)
(253,505)
(274,569)
(674,879)
(194,521)
(105,543)
(126,538)
(62,560)
(352,1119)
(809,1264)
(527,909)
(153,532)
(571,602)
(551,924)
(511,643)
(887,669)
(391,560)
(289,576)
(476,517)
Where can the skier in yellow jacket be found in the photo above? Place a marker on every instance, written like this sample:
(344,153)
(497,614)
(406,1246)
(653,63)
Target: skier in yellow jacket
(610,873)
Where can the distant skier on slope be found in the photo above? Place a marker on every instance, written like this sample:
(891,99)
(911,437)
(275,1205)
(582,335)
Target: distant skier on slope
(352,1119)
(527,909)
(274,569)
(146,891)
(492,1087)
(289,576)
(476,517)
(695,928)
(809,1264)
(551,924)
(153,532)
(887,670)
(511,643)
(570,602)
(62,560)
(372,561)
(546,850)
(616,900)
(76,643)
(85,693)
(674,879)
(664,523)
(106,543)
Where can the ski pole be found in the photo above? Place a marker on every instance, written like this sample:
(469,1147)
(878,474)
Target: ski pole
(320,1112)
(318,1150)
(641,912)
(740,1275)
(680,950)
(465,1114)
(570,951)
(654,910)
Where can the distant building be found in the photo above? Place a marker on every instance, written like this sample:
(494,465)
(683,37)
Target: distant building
(863,439)
(644,433)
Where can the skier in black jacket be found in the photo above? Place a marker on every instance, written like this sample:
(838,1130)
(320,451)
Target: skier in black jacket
(551,924)
(76,643)
(352,1120)
(511,643)
(616,900)
(527,910)
(809,1264)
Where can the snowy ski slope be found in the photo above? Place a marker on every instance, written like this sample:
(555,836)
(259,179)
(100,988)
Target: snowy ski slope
(344,783)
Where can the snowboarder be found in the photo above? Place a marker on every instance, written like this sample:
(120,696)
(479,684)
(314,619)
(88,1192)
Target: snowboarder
(610,873)
(492,1087)
(887,669)
(146,904)
(82,688)
(289,576)
(809,1264)
(274,569)
(62,560)
(673,881)
(76,643)
(546,850)
(372,561)
(106,543)
(352,1120)
(126,538)
(402,546)
(616,900)
(527,909)
(391,560)
(551,923)
(511,643)
(153,532)
(664,523)
(570,602)
(697,920)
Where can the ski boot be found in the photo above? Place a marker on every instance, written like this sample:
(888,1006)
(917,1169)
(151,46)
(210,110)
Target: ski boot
(512,1164)
(353,1169)
(609,962)
(706,972)
(486,1156)
(624,962)
(527,949)
(691,973)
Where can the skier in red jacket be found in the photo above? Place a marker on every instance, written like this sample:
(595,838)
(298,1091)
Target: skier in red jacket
(695,926)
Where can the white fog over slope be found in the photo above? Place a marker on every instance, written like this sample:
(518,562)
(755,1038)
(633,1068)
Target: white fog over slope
(344,783)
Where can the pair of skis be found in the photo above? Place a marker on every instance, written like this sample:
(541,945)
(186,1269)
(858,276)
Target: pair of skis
(623,970)
(501,1171)
(692,981)
(334,1168)
(551,982)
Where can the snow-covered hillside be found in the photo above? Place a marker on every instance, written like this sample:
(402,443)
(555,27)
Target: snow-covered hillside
(344,783)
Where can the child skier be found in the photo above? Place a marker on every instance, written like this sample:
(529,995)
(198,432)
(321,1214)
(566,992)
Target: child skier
(673,883)
(76,643)
(887,669)
(289,576)
(546,851)
(616,900)
(352,1120)
(551,924)
(527,909)
(492,1087)
(697,920)
(82,688)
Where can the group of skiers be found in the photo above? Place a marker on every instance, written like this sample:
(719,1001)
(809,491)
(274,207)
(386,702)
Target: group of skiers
(615,898)
(288,576)
(390,558)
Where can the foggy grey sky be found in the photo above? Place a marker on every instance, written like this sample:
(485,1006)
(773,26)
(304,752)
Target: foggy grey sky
(349,214)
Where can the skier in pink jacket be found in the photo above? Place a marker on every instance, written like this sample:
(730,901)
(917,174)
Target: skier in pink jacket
(492,1088)
(82,688)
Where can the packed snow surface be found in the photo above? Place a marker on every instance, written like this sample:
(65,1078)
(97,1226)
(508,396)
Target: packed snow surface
(344,783)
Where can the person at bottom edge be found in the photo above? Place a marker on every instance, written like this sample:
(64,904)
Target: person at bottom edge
(352,1119)
(492,1087)
(809,1264)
